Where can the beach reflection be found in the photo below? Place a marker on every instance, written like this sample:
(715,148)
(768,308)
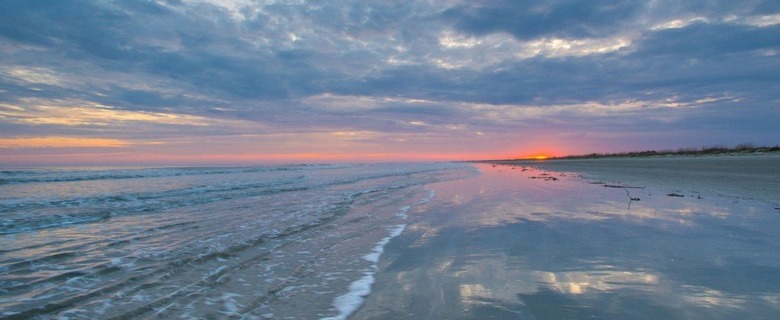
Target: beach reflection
(516,243)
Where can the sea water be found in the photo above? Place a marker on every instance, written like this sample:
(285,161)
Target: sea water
(380,241)
(241,242)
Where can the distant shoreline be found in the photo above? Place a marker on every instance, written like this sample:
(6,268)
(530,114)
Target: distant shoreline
(753,175)
(741,149)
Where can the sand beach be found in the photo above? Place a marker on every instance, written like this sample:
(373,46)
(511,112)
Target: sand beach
(687,238)
(654,238)
(742,176)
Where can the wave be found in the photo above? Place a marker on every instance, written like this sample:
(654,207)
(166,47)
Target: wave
(43,212)
(64,175)
(162,245)
(21,215)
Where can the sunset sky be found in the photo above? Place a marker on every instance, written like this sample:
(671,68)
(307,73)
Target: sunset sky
(191,82)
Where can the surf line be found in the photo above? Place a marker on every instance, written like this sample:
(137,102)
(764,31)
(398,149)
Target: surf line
(349,302)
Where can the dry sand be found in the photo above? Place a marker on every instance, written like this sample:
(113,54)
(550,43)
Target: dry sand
(745,176)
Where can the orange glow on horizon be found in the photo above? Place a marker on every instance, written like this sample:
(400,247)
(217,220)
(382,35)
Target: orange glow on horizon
(92,151)
(538,155)
(334,157)
(129,157)
(62,142)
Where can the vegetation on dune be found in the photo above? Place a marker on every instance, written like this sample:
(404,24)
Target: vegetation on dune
(742,148)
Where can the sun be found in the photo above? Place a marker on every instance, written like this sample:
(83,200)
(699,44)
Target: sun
(539,156)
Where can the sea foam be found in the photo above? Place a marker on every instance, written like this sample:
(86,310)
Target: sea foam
(347,303)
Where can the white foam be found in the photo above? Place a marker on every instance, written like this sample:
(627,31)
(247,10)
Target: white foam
(403,212)
(347,303)
(431,195)
(229,304)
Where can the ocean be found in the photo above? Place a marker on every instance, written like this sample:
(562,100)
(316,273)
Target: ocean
(243,242)
(385,241)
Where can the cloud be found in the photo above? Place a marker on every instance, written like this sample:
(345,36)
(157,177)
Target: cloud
(82,113)
(535,19)
(61,142)
(763,20)
(704,40)
(388,71)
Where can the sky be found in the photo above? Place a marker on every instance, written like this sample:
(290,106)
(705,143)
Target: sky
(190,82)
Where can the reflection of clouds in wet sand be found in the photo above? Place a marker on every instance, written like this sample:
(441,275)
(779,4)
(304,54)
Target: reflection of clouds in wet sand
(565,198)
(708,297)
(490,279)
(580,282)
(504,245)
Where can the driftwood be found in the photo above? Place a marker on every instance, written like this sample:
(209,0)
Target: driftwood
(630,198)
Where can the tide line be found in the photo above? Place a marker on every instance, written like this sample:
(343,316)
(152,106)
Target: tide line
(349,302)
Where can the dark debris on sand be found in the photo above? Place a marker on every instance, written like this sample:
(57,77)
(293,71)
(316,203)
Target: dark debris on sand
(545,178)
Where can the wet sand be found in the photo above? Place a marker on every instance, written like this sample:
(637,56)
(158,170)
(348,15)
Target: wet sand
(745,176)
(525,243)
